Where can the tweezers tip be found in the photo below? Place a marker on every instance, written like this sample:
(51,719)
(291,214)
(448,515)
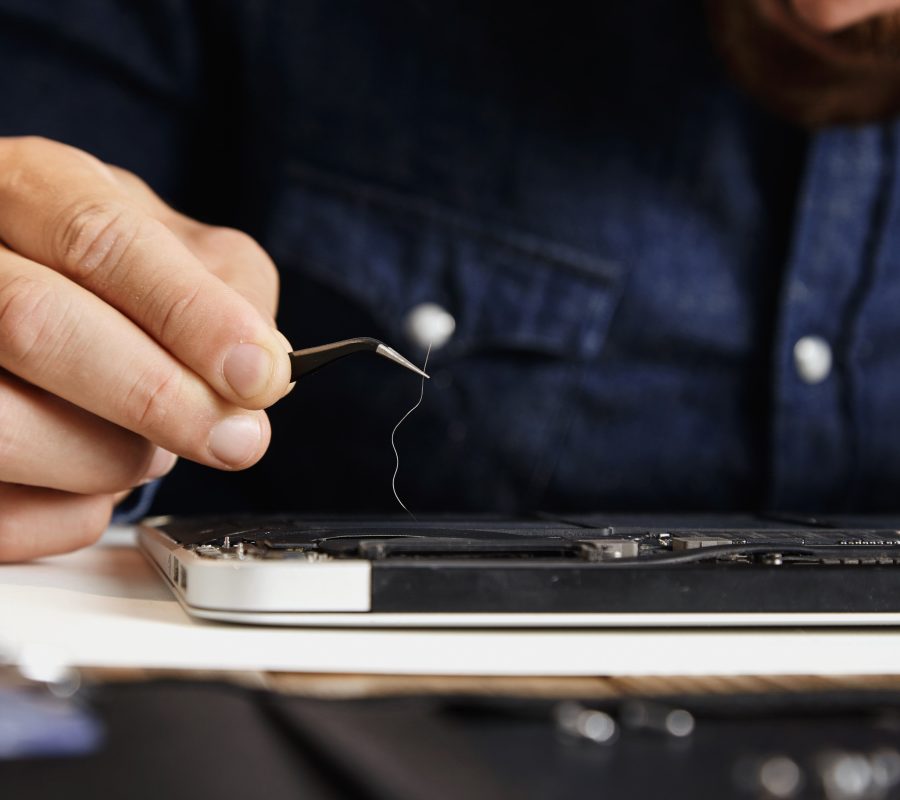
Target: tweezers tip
(393,355)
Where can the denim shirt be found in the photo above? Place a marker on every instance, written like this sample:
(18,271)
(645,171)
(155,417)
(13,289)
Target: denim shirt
(631,248)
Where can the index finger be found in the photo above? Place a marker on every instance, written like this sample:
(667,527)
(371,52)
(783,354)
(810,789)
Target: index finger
(64,339)
(229,254)
(65,210)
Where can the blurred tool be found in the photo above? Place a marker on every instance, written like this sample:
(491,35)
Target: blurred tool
(41,712)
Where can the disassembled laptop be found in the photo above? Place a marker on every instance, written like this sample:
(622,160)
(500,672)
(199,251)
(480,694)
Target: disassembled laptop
(592,569)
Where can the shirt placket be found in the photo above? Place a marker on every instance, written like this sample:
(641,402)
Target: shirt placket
(829,269)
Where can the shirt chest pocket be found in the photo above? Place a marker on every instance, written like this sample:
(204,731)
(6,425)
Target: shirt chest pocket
(390,252)
(531,318)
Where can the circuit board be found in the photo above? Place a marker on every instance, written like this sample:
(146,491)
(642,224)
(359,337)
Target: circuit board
(818,569)
(623,541)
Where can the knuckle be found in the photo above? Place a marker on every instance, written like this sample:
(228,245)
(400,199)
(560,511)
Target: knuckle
(36,144)
(176,312)
(29,318)
(94,237)
(21,142)
(29,166)
(135,186)
(151,399)
(29,148)
(229,241)
(19,158)
(235,245)
(125,176)
(37,151)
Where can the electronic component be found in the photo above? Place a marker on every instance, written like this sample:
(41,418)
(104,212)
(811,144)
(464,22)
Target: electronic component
(602,568)
(697,541)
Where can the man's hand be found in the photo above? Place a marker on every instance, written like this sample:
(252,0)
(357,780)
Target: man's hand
(129,335)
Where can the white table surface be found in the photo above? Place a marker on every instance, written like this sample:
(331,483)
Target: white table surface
(106,607)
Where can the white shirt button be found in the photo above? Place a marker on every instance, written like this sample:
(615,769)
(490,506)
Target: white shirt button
(812,359)
(429,324)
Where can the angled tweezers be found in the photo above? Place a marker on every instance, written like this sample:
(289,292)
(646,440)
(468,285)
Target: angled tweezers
(312,358)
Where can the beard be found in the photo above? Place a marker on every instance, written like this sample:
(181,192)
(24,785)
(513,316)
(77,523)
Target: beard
(806,77)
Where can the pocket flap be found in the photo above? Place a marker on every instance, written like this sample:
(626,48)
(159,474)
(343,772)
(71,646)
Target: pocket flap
(390,252)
